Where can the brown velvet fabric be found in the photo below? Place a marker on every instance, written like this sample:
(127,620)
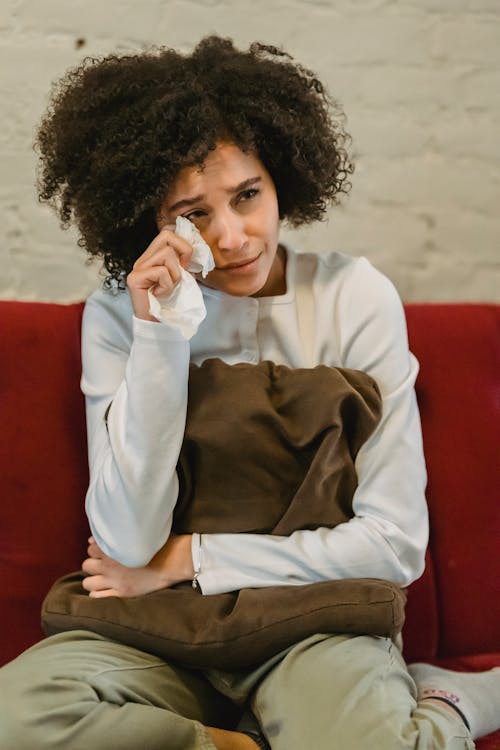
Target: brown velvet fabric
(267,449)
(270,449)
(227,631)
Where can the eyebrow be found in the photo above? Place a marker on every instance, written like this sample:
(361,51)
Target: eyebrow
(185,202)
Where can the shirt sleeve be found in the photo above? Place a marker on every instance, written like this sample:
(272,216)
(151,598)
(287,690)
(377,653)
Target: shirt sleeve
(135,378)
(388,534)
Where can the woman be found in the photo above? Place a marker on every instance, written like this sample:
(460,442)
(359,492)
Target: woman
(236,143)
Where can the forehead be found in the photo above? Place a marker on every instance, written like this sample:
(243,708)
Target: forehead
(223,168)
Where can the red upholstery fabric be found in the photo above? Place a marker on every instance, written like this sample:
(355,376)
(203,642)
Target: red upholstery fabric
(42,461)
(458,390)
(453,613)
(421,629)
(458,347)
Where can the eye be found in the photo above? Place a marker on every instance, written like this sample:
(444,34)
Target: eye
(194,215)
(247,195)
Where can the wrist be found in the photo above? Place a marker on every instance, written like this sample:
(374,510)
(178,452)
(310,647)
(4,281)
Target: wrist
(186,557)
(174,562)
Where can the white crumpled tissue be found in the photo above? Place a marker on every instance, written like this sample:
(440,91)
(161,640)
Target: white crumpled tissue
(184,307)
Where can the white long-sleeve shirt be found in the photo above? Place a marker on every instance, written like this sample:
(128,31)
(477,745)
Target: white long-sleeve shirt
(338,311)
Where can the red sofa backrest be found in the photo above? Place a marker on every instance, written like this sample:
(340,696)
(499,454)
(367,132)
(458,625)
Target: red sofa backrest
(43,465)
(458,390)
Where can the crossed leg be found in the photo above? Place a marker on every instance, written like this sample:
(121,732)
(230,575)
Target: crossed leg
(77,691)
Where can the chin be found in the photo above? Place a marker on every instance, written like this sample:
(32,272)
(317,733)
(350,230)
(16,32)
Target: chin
(235,289)
(250,289)
(248,292)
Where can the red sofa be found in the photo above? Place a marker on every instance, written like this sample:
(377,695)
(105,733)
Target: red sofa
(453,615)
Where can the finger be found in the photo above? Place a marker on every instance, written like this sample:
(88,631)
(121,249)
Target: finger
(103,593)
(95,583)
(171,263)
(160,280)
(184,250)
(164,255)
(163,224)
(162,258)
(182,247)
(92,566)
(94,551)
(165,284)
(166,239)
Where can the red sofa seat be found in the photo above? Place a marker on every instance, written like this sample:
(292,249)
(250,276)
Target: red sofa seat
(453,615)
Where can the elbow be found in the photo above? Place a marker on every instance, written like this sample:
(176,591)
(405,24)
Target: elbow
(416,551)
(405,547)
(134,557)
(128,540)
(420,566)
(412,565)
(130,554)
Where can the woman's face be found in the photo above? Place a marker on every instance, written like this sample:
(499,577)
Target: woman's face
(233,203)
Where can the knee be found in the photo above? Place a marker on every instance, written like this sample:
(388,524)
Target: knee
(32,707)
(27,723)
(14,727)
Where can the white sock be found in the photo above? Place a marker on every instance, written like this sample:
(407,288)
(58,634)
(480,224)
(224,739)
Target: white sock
(475,694)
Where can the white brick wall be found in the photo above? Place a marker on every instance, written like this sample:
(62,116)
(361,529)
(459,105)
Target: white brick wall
(419,80)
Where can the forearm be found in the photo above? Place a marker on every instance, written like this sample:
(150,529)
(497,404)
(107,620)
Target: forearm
(133,484)
(386,538)
(172,564)
(357,549)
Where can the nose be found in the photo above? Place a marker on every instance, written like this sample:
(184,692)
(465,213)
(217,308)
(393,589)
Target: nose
(228,232)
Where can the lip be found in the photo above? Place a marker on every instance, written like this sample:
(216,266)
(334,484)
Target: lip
(239,265)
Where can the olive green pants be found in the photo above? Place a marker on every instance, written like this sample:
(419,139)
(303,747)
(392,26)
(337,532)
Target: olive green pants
(79,691)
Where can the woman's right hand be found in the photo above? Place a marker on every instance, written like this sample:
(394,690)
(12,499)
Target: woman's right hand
(172,564)
(158,270)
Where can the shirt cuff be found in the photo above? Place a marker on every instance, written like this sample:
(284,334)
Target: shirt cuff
(196,554)
(149,329)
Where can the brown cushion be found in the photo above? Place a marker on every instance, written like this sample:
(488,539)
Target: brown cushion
(267,449)
(227,631)
(270,449)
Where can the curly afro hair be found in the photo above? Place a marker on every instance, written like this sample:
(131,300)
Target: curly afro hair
(119,129)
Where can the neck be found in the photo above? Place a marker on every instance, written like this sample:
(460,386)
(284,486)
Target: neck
(276,281)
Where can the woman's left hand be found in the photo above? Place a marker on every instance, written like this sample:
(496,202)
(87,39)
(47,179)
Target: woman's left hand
(107,577)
